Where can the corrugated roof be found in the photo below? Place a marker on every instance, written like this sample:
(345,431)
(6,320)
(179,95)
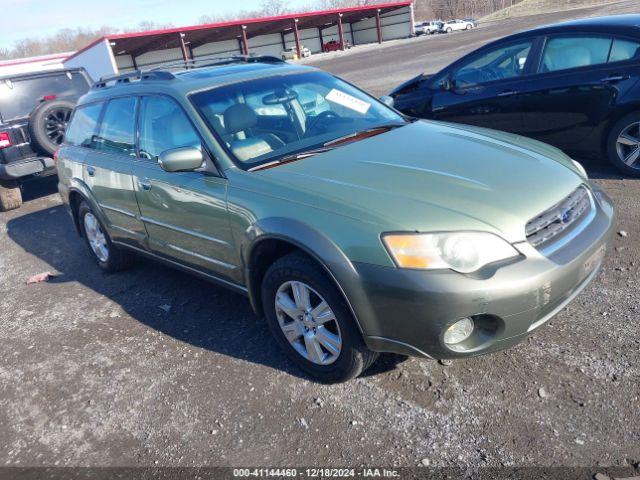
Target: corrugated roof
(139,42)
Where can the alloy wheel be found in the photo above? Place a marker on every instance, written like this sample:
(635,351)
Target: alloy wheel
(628,145)
(308,323)
(96,237)
(56,123)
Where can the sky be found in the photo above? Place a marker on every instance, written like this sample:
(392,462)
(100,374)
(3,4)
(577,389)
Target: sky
(39,18)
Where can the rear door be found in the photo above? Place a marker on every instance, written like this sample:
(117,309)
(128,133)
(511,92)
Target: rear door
(578,79)
(185,213)
(108,170)
(484,90)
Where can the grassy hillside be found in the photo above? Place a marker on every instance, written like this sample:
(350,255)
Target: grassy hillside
(532,7)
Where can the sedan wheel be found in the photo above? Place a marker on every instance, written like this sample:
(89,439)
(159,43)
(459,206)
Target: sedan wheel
(628,146)
(308,323)
(96,237)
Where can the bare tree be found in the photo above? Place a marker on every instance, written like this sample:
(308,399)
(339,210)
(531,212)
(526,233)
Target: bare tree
(273,8)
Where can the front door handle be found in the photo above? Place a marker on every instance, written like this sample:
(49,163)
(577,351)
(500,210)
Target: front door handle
(91,171)
(615,78)
(145,183)
(507,93)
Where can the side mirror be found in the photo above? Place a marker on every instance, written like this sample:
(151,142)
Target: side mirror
(387,100)
(181,159)
(448,84)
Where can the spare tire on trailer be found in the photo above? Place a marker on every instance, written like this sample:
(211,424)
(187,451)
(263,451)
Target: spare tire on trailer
(48,123)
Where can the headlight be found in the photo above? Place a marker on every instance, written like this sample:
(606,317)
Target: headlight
(464,252)
(580,168)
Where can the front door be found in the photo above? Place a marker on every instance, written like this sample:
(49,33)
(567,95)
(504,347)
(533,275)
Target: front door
(578,81)
(185,213)
(485,90)
(108,170)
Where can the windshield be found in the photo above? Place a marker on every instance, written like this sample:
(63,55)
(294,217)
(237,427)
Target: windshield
(266,119)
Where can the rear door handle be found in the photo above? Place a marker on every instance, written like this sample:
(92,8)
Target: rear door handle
(615,78)
(91,171)
(145,183)
(507,93)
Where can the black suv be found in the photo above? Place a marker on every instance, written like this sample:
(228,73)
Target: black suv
(34,111)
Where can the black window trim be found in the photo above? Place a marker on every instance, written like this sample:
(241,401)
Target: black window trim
(213,170)
(526,72)
(96,128)
(96,134)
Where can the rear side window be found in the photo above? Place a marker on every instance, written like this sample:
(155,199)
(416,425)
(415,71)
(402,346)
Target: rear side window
(83,126)
(624,50)
(117,130)
(19,96)
(563,53)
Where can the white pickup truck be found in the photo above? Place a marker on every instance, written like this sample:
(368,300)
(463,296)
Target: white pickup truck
(427,28)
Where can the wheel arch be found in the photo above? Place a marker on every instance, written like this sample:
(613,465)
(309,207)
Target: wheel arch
(618,115)
(79,192)
(273,238)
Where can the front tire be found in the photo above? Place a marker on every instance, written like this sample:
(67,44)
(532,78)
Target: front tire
(623,145)
(311,322)
(449,30)
(108,257)
(10,195)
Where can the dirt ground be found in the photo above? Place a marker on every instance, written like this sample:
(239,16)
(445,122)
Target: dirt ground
(152,367)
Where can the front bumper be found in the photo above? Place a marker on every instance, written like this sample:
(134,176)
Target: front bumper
(407,311)
(25,168)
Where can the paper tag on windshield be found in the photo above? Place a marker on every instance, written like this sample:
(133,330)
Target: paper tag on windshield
(348,101)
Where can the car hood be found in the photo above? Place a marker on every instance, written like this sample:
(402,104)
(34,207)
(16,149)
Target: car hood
(409,82)
(432,176)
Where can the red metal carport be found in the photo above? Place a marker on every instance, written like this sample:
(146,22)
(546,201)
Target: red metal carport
(186,39)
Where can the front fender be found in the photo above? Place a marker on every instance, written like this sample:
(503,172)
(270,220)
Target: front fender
(315,244)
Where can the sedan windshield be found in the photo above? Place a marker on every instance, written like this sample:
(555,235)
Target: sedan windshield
(269,119)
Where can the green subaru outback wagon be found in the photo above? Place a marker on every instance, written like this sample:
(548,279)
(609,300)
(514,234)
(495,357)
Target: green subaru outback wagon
(352,229)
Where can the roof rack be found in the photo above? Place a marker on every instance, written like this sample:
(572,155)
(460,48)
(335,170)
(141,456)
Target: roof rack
(136,75)
(213,59)
(161,72)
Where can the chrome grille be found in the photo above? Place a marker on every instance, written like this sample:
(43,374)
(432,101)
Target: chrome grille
(563,217)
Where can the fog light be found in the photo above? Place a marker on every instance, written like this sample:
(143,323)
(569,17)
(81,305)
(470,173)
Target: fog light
(459,331)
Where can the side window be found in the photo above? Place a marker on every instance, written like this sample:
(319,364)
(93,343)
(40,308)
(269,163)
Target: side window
(163,126)
(83,126)
(562,53)
(118,125)
(624,50)
(503,62)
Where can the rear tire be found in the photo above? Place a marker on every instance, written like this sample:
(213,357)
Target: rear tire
(449,30)
(342,363)
(116,259)
(621,144)
(10,195)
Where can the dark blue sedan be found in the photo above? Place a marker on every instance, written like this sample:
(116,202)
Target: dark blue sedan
(573,85)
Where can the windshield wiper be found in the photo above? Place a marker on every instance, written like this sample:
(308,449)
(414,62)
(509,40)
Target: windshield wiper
(292,158)
(369,132)
(330,145)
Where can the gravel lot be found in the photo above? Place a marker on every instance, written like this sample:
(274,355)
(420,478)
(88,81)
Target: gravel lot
(154,367)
